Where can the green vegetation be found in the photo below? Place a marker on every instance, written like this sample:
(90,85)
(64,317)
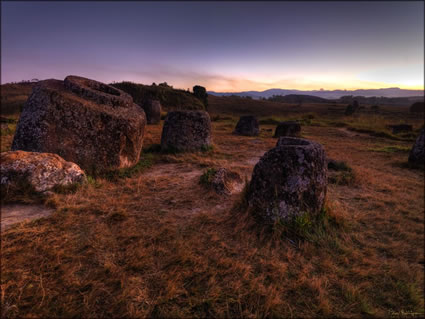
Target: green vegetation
(339,166)
(93,181)
(207,148)
(170,98)
(207,176)
(7,129)
(340,173)
(146,161)
(342,178)
(309,227)
(377,125)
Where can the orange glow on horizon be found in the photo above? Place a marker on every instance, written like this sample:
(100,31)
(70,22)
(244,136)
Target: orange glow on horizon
(327,87)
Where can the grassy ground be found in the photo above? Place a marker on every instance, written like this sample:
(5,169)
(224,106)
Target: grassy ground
(13,97)
(153,242)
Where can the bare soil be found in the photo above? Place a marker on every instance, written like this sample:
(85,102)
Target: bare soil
(18,213)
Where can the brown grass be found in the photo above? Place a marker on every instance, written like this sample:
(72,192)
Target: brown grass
(158,244)
(13,97)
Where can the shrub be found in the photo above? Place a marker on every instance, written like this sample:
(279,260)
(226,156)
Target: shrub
(145,161)
(170,99)
(207,148)
(207,176)
(342,178)
(339,166)
(342,175)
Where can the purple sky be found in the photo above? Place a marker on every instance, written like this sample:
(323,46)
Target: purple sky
(231,46)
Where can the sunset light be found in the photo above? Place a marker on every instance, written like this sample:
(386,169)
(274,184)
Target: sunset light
(301,46)
(212,159)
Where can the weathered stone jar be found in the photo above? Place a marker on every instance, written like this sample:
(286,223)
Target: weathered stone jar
(43,171)
(84,121)
(247,126)
(288,128)
(417,153)
(288,181)
(186,131)
(152,109)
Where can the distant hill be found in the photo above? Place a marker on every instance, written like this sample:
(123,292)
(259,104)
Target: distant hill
(170,98)
(298,98)
(399,101)
(335,94)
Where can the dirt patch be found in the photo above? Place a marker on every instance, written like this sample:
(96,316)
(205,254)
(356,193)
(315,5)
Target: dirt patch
(17,213)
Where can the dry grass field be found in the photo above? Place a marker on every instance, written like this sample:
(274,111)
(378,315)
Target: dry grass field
(154,242)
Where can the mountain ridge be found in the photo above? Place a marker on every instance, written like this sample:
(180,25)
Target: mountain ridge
(327,94)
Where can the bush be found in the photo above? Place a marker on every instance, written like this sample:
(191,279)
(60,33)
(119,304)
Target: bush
(170,99)
(145,162)
(342,178)
(342,175)
(338,166)
(207,176)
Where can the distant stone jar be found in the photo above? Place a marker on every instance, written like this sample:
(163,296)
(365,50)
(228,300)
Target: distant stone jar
(417,107)
(288,181)
(186,131)
(84,121)
(247,126)
(152,109)
(289,128)
(417,153)
(43,171)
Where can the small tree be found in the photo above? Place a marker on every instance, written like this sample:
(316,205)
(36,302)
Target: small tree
(201,93)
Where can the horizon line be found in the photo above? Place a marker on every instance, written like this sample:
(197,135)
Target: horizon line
(316,90)
(240,91)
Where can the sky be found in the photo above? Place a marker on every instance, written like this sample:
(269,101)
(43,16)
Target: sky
(224,46)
